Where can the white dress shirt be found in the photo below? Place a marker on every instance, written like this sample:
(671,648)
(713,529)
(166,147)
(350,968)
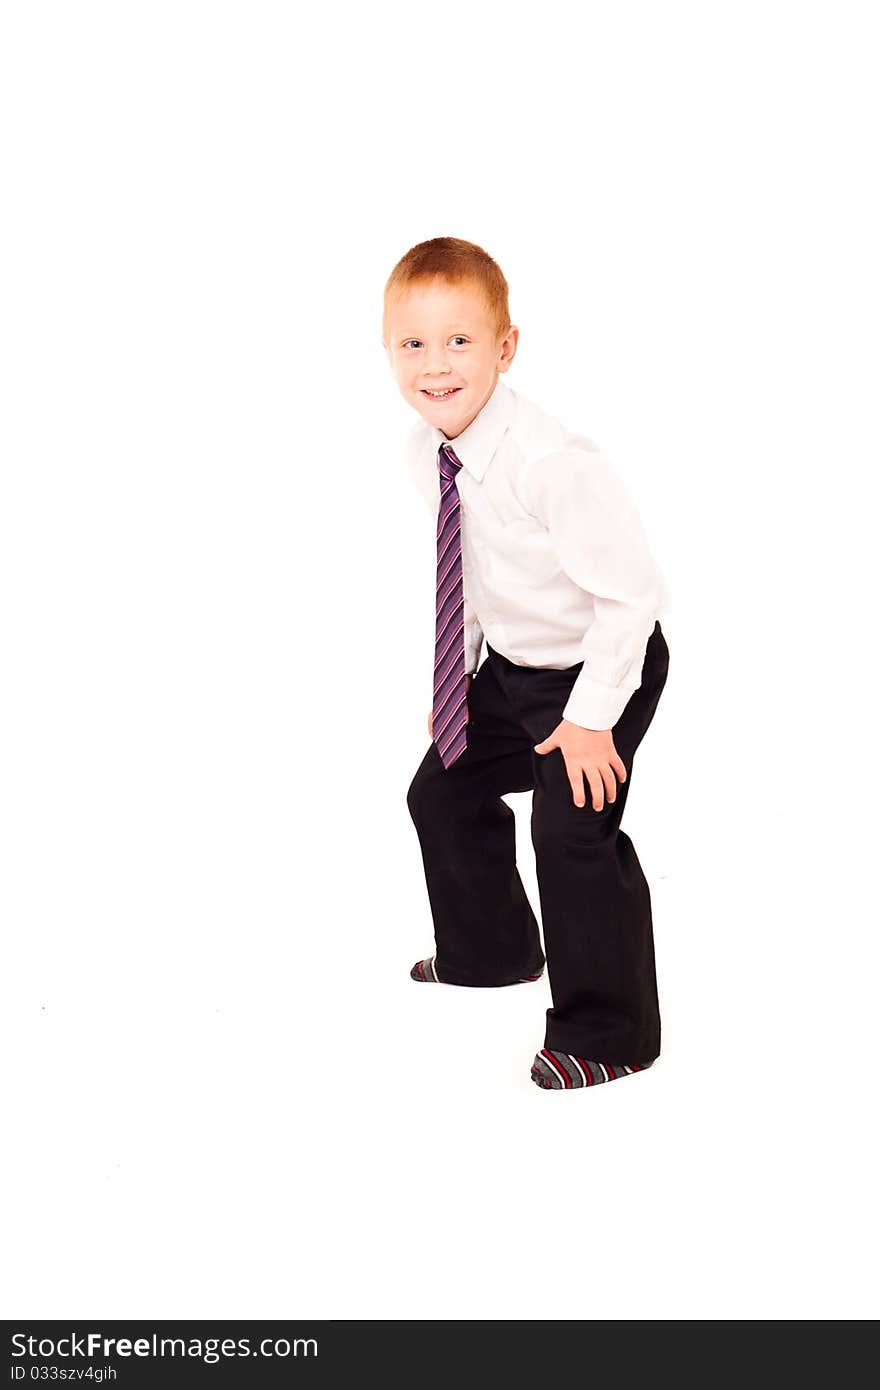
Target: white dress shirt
(556,566)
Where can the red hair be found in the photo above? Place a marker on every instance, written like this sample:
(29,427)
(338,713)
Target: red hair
(458,262)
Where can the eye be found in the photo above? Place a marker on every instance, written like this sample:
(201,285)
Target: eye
(410,340)
(460,338)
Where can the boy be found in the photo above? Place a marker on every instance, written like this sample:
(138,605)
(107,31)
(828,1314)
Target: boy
(540,550)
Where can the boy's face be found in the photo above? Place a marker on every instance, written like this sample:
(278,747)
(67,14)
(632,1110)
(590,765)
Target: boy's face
(441,338)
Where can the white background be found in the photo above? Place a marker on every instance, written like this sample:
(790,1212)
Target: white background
(226,1097)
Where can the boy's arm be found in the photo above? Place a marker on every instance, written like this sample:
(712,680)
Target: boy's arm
(597,534)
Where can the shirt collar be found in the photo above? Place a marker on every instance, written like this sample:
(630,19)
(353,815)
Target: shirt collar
(476,445)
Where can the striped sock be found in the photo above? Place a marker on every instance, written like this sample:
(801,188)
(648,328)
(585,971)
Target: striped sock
(427,970)
(560,1071)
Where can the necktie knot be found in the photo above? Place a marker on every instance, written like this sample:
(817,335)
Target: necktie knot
(447,461)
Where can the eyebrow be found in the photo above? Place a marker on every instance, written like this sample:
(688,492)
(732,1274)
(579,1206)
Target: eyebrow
(452,332)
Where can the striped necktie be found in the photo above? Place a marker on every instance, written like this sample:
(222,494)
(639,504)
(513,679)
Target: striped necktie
(450,699)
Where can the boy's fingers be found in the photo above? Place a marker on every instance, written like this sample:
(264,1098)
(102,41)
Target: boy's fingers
(596,787)
(610,783)
(576,778)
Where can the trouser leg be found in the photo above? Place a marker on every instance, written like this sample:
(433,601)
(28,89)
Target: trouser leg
(486,932)
(595,900)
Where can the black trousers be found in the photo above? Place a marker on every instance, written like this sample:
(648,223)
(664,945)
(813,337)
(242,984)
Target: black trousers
(594,898)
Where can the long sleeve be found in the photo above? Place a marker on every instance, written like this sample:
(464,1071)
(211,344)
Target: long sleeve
(598,537)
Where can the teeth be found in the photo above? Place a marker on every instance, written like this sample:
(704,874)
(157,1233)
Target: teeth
(441,394)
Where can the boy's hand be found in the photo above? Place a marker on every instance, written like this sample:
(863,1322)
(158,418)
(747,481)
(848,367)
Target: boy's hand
(467,687)
(588,753)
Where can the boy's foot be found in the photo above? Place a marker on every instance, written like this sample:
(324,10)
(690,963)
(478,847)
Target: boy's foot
(560,1071)
(426,970)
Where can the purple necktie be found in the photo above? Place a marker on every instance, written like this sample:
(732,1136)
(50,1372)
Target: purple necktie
(450,698)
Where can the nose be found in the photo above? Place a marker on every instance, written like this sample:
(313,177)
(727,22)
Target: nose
(436,363)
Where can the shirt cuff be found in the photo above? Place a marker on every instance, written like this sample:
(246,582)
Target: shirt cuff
(595,706)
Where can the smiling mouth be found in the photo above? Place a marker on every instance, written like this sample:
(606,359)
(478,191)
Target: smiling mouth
(441,395)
